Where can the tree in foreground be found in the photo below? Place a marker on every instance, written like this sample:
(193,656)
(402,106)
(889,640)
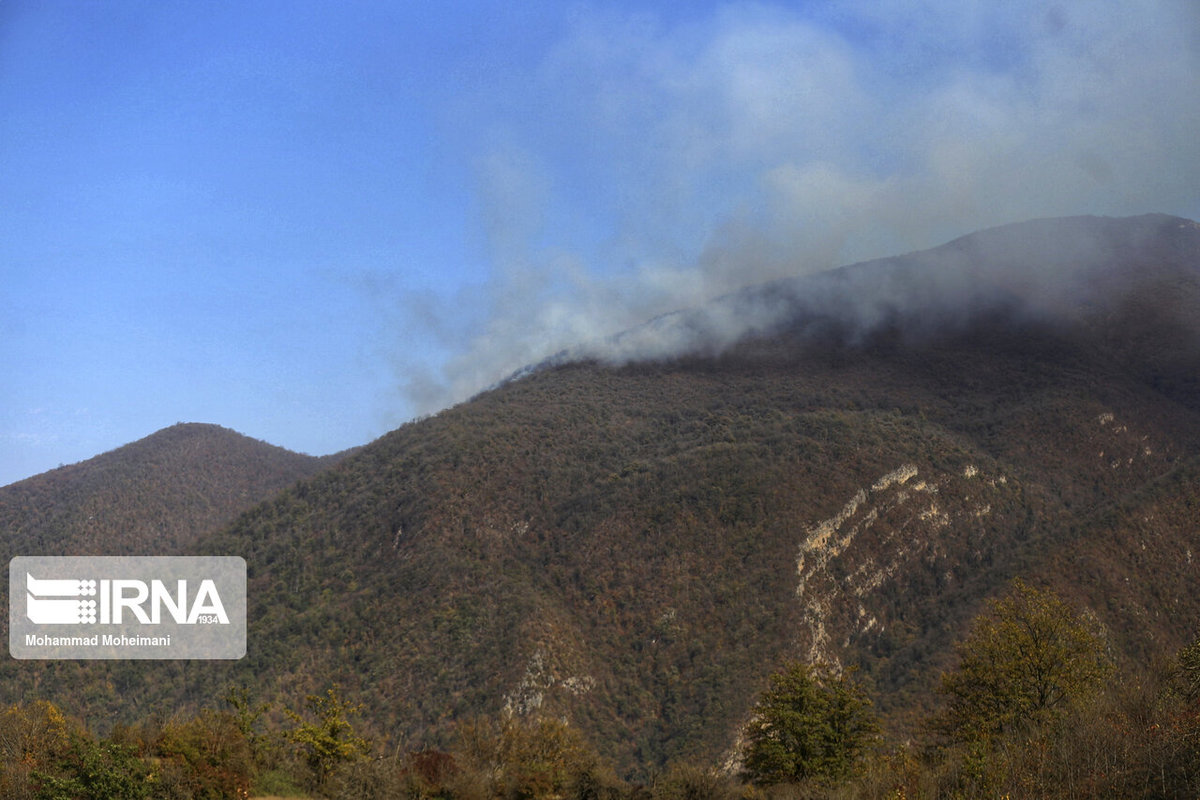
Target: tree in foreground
(1025,663)
(527,757)
(327,740)
(810,723)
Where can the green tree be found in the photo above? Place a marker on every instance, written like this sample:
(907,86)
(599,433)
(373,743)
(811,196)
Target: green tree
(1027,661)
(328,741)
(810,723)
(96,770)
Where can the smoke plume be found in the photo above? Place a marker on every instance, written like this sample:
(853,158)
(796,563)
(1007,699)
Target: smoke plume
(649,165)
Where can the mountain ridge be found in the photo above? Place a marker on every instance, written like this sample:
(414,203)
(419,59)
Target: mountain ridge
(634,546)
(942,281)
(153,495)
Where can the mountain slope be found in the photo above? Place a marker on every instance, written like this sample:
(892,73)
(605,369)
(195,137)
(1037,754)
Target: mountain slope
(150,497)
(842,467)
(637,546)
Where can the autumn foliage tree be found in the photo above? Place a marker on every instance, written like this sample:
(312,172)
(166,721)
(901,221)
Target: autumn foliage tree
(1027,661)
(325,737)
(529,757)
(34,740)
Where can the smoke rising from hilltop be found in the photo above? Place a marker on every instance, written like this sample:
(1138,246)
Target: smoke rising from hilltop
(649,166)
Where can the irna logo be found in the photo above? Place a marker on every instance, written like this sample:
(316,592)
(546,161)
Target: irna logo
(127,607)
(67,601)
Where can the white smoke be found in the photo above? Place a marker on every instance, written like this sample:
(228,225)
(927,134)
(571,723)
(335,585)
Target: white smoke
(649,166)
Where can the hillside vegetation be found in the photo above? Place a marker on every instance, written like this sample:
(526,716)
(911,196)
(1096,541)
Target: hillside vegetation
(636,545)
(153,496)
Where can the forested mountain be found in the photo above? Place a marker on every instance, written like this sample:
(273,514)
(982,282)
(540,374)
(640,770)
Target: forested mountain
(150,497)
(836,468)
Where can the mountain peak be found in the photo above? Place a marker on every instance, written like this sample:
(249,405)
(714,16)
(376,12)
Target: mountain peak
(154,495)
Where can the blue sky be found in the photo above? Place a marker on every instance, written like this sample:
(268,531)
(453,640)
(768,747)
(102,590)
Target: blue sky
(311,222)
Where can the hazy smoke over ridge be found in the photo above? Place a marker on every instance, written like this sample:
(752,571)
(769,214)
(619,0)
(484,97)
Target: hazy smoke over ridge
(649,166)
